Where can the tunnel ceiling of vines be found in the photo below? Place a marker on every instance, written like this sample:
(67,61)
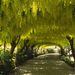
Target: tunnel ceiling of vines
(41,21)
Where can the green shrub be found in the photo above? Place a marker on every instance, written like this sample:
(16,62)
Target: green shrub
(72,62)
(8,63)
(44,51)
(50,50)
(8,66)
(59,51)
(20,58)
(7,56)
(67,60)
(63,57)
(35,52)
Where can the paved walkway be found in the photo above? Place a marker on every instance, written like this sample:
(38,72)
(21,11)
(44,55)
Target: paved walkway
(47,64)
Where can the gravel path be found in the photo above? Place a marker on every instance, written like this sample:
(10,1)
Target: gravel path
(47,64)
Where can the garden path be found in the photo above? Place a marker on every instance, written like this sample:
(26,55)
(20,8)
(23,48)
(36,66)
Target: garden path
(47,64)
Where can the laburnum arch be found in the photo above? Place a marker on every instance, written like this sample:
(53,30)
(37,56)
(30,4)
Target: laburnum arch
(37,20)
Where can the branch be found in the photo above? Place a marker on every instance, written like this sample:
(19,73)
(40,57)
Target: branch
(18,39)
(26,41)
(33,45)
(69,38)
(24,45)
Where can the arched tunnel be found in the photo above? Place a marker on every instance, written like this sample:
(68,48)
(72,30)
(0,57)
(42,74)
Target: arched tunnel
(25,24)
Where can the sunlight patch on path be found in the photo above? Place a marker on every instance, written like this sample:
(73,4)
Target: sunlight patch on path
(47,64)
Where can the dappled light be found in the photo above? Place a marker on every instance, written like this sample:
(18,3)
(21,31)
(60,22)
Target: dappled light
(27,74)
(59,63)
(55,68)
(42,65)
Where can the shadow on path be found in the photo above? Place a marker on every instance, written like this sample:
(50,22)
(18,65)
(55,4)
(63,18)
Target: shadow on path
(47,64)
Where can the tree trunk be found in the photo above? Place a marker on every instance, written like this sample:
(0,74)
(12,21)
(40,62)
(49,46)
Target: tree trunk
(69,53)
(62,50)
(26,49)
(14,43)
(12,48)
(71,44)
(32,48)
(4,49)
(74,63)
(24,45)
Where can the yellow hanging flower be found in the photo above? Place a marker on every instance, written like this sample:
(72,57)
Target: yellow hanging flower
(34,10)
